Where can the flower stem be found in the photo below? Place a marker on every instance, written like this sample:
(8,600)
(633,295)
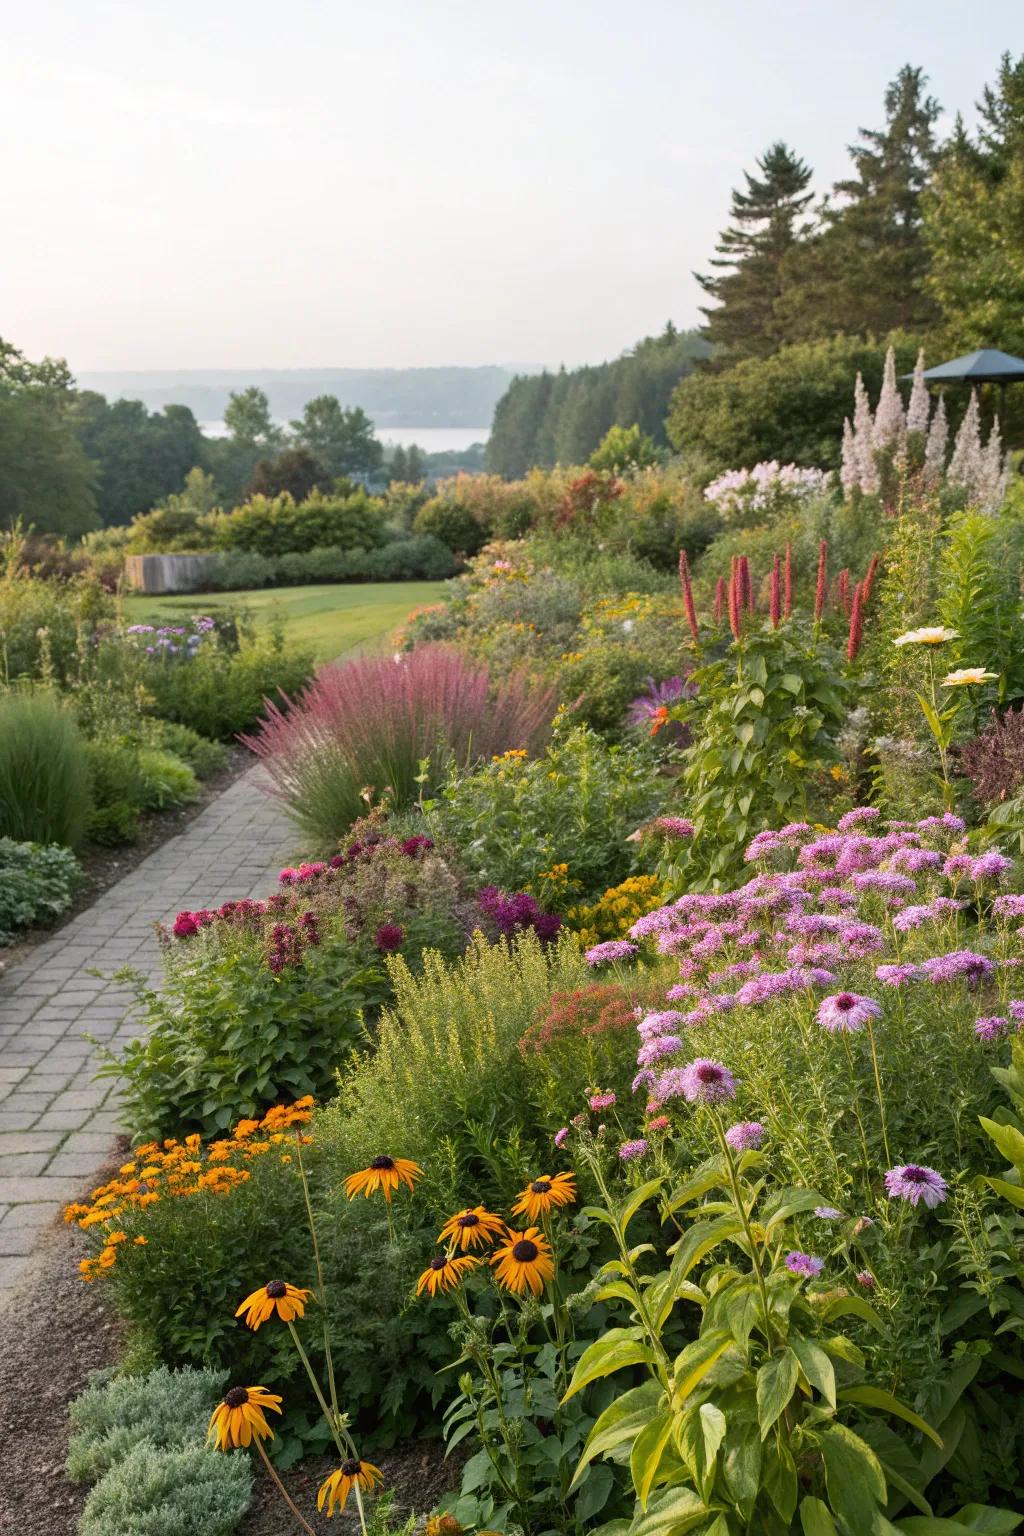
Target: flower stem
(282,1490)
(878,1090)
(321,1294)
(332,1418)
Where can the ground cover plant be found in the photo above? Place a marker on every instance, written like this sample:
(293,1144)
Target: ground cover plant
(37,884)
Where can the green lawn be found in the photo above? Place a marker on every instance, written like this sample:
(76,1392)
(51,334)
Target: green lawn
(331,620)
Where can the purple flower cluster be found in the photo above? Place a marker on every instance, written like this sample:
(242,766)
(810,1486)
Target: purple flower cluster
(612,949)
(517,912)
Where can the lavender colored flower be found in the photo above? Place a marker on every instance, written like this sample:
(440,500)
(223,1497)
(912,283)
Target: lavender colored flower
(991,1028)
(680,991)
(1016,1007)
(857,818)
(562,1136)
(704,1082)
(884,880)
(827,1213)
(861,939)
(959,962)
(643,708)
(659,1023)
(745,1134)
(836,896)
(643,1079)
(612,949)
(896,975)
(674,826)
(804,1264)
(602,1100)
(847,1011)
(947,822)
(914,860)
(633,1149)
(657,1047)
(1008,906)
(990,866)
(913,1183)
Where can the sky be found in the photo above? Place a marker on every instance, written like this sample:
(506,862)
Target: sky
(394,183)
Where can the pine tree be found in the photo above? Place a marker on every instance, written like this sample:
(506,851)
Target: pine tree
(863,271)
(746,283)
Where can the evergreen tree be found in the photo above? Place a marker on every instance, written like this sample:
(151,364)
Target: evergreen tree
(863,271)
(747,281)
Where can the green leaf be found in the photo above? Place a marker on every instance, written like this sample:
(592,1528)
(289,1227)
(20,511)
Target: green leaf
(740,1461)
(789,1202)
(699,1240)
(776,1383)
(622,1420)
(671,1512)
(988,1521)
(594,1494)
(713,1426)
(779,1477)
(815,1518)
(637,1199)
(816,1366)
(615,1349)
(707,1176)
(874,1397)
(648,1449)
(853,1477)
(1009,1140)
(1012,1192)
(693,1364)
(851,1306)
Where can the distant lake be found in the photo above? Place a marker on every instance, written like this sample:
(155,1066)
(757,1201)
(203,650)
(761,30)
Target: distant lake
(430,439)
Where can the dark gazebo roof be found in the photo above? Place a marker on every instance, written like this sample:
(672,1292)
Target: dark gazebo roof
(989,366)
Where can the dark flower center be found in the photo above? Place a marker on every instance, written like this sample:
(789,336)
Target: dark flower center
(846,1001)
(708,1074)
(541,1186)
(915,1175)
(383,1162)
(525,1252)
(351,1468)
(234,1397)
(469,1219)
(438,1261)
(276,1289)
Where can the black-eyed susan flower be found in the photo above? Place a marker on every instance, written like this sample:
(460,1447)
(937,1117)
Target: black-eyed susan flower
(444,1273)
(288,1301)
(240,1417)
(354,1473)
(525,1260)
(386,1174)
(544,1195)
(475,1227)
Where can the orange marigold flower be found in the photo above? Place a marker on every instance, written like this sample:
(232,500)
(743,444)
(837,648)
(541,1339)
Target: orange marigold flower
(386,1174)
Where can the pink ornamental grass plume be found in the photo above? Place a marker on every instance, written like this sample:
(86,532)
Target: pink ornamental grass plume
(363,728)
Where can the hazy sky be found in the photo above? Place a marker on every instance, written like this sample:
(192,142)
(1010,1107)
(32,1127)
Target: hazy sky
(287,183)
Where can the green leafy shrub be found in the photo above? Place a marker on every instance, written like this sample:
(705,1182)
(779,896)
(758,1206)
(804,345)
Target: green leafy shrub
(205,758)
(37,883)
(169,1410)
(193,1492)
(220,691)
(44,617)
(623,645)
(575,804)
(127,779)
(44,774)
(278,525)
(166,780)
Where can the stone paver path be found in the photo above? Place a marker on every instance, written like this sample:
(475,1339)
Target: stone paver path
(56,1123)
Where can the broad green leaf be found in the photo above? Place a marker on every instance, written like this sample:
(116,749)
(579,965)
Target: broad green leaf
(816,1366)
(740,1462)
(617,1290)
(713,1426)
(615,1349)
(779,1477)
(670,1512)
(742,1307)
(622,1420)
(874,1397)
(815,1518)
(594,1494)
(706,1177)
(853,1477)
(1012,1192)
(693,1364)
(1009,1140)
(776,1383)
(637,1199)
(645,1457)
(698,1240)
(851,1306)
(988,1521)
(789,1202)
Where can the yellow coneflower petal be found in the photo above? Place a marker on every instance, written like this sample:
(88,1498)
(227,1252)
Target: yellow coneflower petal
(288,1301)
(385,1174)
(475,1227)
(524,1262)
(545,1194)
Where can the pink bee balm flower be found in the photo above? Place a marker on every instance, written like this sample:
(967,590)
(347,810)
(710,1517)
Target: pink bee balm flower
(675,826)
(991,1028)
(745,1134)
(866,1279)
(913,1183)
(601,1100)
(804,1264)
(847,1011)
(562,1136)
(659,1123)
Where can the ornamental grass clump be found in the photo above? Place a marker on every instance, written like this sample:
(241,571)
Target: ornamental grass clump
(387,727)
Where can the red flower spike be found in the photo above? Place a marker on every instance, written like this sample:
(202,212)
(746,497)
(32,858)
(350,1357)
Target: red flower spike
(822,587)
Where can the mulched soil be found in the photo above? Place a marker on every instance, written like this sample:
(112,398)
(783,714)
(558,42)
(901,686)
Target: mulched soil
(416,1474)
(104,867)
(54,1331)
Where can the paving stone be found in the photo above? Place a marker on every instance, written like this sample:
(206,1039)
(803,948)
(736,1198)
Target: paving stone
(16,1119)
(29,1190)
(34,1215)
(27,1162)
(95,1142)
(17,1241)
(14,1143)
(11,1271)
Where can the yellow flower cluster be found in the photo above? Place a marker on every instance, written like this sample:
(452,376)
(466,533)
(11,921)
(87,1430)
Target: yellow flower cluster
(513,755)
(159,1170)
(617,910)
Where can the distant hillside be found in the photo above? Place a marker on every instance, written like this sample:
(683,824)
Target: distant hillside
(399,397)
(559,418)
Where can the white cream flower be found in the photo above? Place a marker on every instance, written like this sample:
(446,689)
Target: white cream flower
(936,635)
(967,675)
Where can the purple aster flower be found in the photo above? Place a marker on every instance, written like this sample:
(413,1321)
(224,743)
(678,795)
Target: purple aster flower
(643,1079)
(947,821)
(959,962)
(680,991)
(601,1100)
(861,939)
(633,1149)
(884,880)
(847,1011)
(657,1047)
(804,1264)
(643,708)
(857,817)
(612,949)
(957,864)
(911,1182)
(836,896)
(990,866)
(660,1023)
(1016,1008)
(562,1136)
(914,860)
(745,1134)
(762,846)
(1008,906)
(705,1082)
(827,1213)
(992,1028)
(896,975)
